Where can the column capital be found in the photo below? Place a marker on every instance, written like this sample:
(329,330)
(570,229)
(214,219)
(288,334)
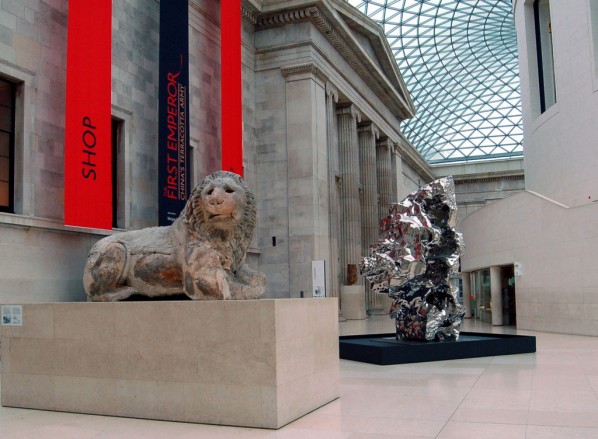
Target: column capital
(303,71)
(349,109)
(369,127)
(396,148)
(332,91)
(384,142)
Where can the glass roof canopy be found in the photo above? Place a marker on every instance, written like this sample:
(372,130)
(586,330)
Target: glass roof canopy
(459,61)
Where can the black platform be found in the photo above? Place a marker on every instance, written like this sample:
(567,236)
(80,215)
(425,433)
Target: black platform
(385,349)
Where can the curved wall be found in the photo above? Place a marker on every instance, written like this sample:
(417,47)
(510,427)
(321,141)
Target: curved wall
(557,290)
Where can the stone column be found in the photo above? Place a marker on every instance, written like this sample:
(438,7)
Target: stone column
(368,133)
(333,189)
(307,174)
(384,175)
(496,295)
(401,190)
(466,285)
(381,303)
(350,203)
(397,173)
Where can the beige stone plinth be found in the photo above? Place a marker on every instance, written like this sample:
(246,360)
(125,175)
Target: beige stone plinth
(254,363)
(353,302)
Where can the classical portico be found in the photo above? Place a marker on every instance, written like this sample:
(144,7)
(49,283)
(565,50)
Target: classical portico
(325,127)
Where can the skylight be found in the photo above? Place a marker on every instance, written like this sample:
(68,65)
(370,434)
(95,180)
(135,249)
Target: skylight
(459,61)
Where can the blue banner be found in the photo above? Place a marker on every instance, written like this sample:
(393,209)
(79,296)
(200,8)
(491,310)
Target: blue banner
(173,132)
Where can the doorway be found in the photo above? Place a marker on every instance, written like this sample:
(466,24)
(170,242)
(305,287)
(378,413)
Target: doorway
(509,308)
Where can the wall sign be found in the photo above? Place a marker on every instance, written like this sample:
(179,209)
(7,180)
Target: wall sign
(173,136)
(12,315)
(518,268)
(318,269)
(87,143)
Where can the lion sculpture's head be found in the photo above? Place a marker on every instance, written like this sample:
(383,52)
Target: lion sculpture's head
(223,205)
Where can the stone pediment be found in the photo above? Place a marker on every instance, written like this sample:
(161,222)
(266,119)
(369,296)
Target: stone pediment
(359,40)
(371,36)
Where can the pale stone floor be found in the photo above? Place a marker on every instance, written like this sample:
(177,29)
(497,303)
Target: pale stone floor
(550,394)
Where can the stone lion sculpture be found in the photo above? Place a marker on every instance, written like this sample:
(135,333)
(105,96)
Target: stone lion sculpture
(201,255)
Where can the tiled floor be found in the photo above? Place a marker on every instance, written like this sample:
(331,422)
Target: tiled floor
(550,394)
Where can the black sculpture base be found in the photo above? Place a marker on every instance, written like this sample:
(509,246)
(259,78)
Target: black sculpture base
(385,349)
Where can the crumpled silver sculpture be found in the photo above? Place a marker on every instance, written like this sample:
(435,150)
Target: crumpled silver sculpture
(413,260)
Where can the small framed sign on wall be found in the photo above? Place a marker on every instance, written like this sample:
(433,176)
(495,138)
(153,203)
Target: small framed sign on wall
(318,269)
(12,315)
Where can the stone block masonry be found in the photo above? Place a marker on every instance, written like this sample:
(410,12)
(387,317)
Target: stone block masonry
(253,363)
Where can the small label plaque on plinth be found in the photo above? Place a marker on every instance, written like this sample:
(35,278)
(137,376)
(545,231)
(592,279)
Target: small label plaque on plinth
(12,315)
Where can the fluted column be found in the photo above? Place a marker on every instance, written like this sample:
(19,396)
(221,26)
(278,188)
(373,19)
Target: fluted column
(368,133)
(380,303)
(384,173)
(367,168)
(400,190)
(350,247)
(333,189)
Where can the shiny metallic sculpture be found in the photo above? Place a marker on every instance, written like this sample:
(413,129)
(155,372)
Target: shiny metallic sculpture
(413,260)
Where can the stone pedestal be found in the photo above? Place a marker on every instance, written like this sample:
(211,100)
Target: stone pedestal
(353,302)
(253,363)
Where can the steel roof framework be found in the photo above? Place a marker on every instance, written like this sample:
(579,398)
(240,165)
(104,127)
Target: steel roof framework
(459,61)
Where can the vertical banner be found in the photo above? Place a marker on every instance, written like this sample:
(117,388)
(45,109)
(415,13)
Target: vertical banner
(231,86)
(87,143)
(173,136)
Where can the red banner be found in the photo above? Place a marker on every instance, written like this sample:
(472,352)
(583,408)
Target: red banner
(231,86)
(87,144)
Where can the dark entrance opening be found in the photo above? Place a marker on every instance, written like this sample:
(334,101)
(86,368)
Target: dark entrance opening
(509,310)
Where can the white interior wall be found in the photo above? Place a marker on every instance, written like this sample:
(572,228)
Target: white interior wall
(560,145)
(556,246)
(551,228)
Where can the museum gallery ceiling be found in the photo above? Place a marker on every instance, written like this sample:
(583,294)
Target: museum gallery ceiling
(459,61)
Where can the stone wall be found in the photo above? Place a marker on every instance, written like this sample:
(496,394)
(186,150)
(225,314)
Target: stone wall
(474,193)
(560,143)
(554,245)
(41,259)
(480,184)
(549,230)
(204,84)
(297,70)
(135,39)
(33,48)
(313,63)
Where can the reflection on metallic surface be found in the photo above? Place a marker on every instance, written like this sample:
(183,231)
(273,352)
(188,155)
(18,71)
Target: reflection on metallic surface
(413,260)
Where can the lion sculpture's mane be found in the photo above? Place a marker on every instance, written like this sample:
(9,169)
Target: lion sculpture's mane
(201,255)
(195,216)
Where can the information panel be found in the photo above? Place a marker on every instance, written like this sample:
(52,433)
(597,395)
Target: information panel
(318,269)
